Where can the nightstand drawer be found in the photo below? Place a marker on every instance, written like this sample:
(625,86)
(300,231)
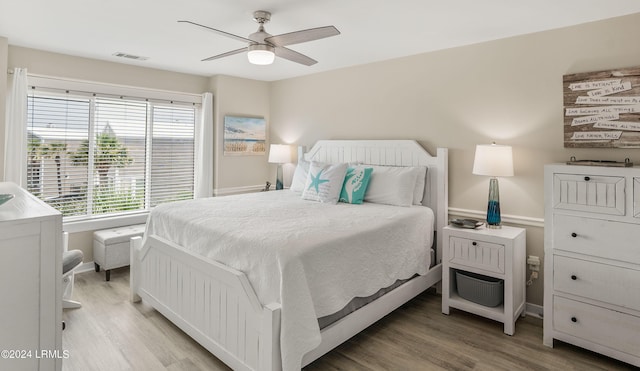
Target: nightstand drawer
(597,237)
(606,327)
(478,254)
(597,281)
(591,193)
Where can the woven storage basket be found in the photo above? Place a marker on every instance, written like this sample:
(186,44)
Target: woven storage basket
(483,290)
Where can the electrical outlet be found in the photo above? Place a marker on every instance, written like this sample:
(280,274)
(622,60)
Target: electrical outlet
(534,263)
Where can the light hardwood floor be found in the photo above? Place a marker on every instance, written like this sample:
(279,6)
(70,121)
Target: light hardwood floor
(110,333)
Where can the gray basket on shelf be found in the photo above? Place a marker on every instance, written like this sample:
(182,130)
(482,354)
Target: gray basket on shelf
(483,290)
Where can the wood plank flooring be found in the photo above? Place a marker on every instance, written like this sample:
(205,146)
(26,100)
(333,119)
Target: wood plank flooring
(110,333)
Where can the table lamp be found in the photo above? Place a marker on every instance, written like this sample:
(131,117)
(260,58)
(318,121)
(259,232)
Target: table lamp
(493,160)
(279,154)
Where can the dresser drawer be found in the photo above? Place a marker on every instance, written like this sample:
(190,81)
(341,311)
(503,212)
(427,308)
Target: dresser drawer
(598,325)
(478,254)
(590,193)
(597,281)
(596,237)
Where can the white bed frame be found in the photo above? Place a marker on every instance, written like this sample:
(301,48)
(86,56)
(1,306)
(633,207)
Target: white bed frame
(216,305)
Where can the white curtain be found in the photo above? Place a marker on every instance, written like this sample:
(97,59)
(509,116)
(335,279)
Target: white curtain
(15,158)
(204,149)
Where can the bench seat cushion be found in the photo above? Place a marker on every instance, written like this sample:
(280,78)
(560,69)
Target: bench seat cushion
(111,246)
(117,235)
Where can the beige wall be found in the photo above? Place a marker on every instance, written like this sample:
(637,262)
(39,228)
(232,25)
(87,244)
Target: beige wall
(239,97)
(508,90)
(60,65)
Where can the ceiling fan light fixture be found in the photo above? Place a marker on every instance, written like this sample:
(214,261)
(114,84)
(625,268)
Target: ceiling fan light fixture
(262,47)
(261,54)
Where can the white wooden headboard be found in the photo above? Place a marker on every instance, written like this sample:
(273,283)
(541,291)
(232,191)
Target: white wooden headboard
(396,153)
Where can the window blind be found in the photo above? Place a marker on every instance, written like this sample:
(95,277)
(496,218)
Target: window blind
(55,127)
(172,154)
(95,156)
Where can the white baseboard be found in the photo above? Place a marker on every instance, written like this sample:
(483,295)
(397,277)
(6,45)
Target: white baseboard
(88,267)
(85,267)
(511,219)
(534,310)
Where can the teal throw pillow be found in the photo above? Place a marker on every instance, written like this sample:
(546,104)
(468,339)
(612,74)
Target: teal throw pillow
(355,184)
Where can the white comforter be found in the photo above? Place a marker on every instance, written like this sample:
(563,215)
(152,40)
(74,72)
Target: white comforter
(310,257)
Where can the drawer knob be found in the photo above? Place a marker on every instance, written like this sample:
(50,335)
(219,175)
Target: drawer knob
(574,277)
(474,243)
(574,319)
(586,178)
(574,235)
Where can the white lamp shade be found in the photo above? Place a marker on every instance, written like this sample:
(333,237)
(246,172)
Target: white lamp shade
(261,54)
(493,160)
(279,154)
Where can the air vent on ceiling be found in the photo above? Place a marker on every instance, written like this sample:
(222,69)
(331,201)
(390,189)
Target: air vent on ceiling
(130,56)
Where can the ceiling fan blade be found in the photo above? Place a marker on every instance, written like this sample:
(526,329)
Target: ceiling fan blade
(239,38)
(237,51)
(302,36)
(294,56)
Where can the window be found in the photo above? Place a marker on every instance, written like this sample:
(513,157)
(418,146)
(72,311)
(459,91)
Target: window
(92,156)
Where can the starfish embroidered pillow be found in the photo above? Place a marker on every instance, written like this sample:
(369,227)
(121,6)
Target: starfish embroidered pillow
(324,182)
(355,184)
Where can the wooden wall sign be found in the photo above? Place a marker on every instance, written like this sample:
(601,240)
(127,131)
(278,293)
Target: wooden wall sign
(602,109)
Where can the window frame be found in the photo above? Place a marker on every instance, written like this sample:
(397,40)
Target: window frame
(55,86)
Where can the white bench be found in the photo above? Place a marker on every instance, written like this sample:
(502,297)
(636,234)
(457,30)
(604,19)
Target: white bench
(111,247)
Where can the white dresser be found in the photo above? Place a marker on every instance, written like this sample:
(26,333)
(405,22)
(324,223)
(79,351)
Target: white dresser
(592,259)
(30,283)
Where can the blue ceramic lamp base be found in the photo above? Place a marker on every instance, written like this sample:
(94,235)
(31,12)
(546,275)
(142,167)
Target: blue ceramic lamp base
(493,209)
(279,177)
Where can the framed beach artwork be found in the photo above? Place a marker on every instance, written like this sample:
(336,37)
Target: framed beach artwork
(244,135)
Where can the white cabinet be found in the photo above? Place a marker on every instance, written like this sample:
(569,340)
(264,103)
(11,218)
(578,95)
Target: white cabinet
(495,253)
(592,259)
(30,283)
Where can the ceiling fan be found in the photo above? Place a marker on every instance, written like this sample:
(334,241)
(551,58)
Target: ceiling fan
(262,47)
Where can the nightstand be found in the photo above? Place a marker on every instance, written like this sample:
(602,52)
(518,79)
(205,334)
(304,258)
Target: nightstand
(493,253)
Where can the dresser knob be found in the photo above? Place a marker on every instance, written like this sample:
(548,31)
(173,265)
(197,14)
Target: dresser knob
(574,319)
(586,178)
(474,243)
(574,235)
(574,277)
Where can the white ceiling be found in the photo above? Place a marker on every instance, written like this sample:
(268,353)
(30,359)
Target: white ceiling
(371,30)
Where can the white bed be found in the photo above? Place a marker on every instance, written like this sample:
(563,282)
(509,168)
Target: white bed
(266,319)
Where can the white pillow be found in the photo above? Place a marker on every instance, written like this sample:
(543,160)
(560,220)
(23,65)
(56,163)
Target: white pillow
(392,185)
(324,182)
(418,192)
(300,176)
